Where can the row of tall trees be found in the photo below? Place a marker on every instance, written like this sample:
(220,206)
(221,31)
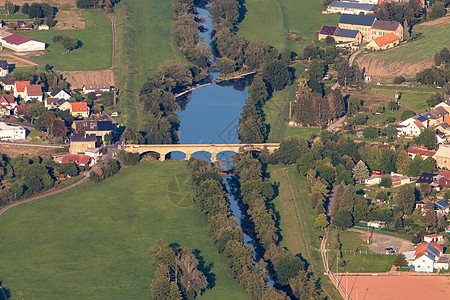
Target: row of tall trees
(223,228)
(287,269)
(177,273)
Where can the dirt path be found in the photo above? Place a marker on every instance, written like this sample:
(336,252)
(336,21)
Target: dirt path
(113,20)
(86,178)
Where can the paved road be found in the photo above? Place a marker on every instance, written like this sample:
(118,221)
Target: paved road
(354,54)
(382,241)
(86,178)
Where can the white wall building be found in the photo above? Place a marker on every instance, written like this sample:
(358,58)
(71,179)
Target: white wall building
(22,43)
(410,126)
(12,132)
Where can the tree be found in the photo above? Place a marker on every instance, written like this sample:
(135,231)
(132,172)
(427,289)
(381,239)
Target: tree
(192,279)
(386,181)
(360,172)
(370,132)
(258,91)
(321,221)
(343,219)
(10,7)
(276,74)
(402,161)
(71,43)
(437,10)
(399,79)
(288,267)
(400,261)
(424,188)
(427,138)
(435,99)
(428,216)
(415,168)
(391,131)
(429,165)
(405,198)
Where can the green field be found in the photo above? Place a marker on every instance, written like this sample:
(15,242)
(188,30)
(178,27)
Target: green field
(300,238)
(144,43)
(270,21)
(415,101)
(94,54)
(93,242)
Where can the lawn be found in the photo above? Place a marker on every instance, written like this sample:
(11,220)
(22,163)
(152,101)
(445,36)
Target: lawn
(412,100)
(144,43)
(270,21)
(299,235)
(94,54)
(93,241)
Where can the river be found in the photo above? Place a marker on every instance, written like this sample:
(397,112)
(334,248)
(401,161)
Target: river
(210,114)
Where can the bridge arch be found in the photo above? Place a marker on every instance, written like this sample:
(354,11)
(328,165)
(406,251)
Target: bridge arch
(153,154)
(176,155)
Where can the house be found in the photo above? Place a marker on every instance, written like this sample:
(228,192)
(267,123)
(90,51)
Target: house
(8,132)
(376,224)
(434,238)
(425,255)
(94,153)
(79,159)
(8,84)
(422,151)
(4,68)
(411,127)
(50,103)
(348,38)
(79,109)
(344,7)
(421,204)
(373,179)
(399,179)
(426,178)
(63,105)
(442,157)
(383,42)
(57,157)
(326,30)
(99,128)
(361,23)
(60,94)
(98,89)
(19,88)
(114,114)
(21,43)
(441,208)
(436,116)
(80,142)
(381,28)
(33,92)
(44,27)
(8,101)
(382,146)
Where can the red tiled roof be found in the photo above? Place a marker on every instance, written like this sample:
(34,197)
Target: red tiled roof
(386,39)
(79,107)
(16,39)
(433,235)
(79,159)
(423,151)
(20,86)
(7,100)
(419,124)
(33,90)
(60,154)
(446,174)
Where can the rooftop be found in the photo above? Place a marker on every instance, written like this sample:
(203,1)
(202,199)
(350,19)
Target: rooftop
(357,19)
(16,39)
(443,151)
(347,33)
(4,126)
(98,125)
(33,90)
(354,5)
(4,64)
(79,107)
(328,30)
(385,25)
(83,138)
(20,86)
(8,81)
(386,39)
(423,151)
(79,159)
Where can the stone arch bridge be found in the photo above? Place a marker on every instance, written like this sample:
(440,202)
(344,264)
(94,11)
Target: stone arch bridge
(189,149)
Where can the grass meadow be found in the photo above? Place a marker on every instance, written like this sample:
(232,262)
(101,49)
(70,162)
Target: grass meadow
(271,20)
(144,42)
(93,242)
(94,54)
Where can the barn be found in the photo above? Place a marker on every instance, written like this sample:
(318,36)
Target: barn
(21,43)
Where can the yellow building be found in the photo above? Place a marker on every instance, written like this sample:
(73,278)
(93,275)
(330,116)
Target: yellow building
(381,28)
(342,37)
(79,109)
(383,42)
(442,157)
(80,142)
(362,23)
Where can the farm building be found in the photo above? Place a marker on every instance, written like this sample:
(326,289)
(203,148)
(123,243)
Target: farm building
(361,23)
(342,37)
(380,28)
(98,89)
(12,132)
(352,8)
(21,43)
(383,42)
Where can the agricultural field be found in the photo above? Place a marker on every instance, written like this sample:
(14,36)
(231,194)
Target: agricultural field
(96,49)
(412,57)
(271,21)
(144,42)
(94,241)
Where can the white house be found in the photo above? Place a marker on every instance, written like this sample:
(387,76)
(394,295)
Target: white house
(98,89)
(425,257)
(7,84)
(411,126)
(4,69)
(12,132)
(434,238)
(373,180)
(22,43)
(63,104)
(33,92)
(376,224)
(50,102)
(352,8)
(44,27)
(60,94)
(19,88)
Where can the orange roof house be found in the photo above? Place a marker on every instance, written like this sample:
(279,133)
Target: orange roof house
(383,42)
(79,109)
(8,101)
(79,159)
(19,88)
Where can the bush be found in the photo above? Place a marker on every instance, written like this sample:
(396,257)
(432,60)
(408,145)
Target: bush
(399,79)
(127,158)
(58,38)
(386,181)
(370,132)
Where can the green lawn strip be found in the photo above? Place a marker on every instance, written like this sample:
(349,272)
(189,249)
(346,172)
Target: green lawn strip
(144,43)
(293,237)
(403,88)
(94,54)
(271,20)
(93,242)
(414,100)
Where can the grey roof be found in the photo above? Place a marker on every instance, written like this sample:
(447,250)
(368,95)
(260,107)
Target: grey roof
(83,138)
(8,81)
(4,64)
(97,86)
(438,112)
(357,19)
(55,92)
(425,178)
(385,25)
(347,33)
(447,99)
(354,5)
(98,125)
(440,205)
(60,102)
(427,115)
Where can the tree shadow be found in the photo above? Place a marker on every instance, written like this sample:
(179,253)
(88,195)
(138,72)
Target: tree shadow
(4,291)
(205,269)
